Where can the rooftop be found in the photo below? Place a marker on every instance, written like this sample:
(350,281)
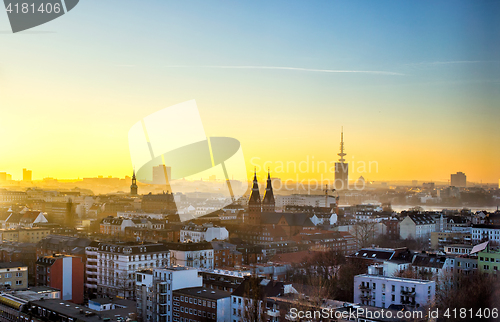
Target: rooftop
(11,264)
(395,279)
(82,313)
(212,294)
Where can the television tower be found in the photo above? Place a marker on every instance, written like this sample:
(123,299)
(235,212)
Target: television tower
(342,154)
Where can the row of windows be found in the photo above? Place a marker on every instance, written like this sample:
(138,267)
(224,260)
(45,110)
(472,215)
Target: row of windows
(195,312)
(393,287)
(135,258)
(196,301)
(9,275)
(176,319)
(489,259)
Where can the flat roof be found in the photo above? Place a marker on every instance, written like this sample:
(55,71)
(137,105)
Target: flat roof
(395,279)
(204,292)
(83,313)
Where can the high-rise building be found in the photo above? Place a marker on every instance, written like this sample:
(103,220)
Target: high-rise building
(133,187)
(161,174)
(458,179)
(341,168)
(27,175)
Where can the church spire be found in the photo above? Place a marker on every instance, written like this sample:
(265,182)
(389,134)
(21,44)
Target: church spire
(133,187)
(255,195)
(268,203)
(254,203)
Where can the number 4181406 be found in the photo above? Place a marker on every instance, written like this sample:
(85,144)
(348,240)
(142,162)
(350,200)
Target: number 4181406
(27,8)
(463,313)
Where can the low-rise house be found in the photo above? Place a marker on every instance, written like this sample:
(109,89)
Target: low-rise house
(205,232)
(13,275)
(416,226)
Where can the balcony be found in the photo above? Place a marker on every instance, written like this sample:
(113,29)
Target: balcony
(364,287)
(408,293)
(408,302)
(273,313)
(365,297)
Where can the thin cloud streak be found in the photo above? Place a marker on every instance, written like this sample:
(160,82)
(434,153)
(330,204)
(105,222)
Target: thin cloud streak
(453,62)
(295,69)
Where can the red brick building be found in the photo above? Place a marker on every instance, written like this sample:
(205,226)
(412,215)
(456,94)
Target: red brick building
(63,272)
(226,255)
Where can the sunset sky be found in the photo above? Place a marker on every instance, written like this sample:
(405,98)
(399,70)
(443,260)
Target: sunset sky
(416,85)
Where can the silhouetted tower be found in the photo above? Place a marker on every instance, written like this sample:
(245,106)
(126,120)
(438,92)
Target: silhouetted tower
(254,203)
(69,220)
(341,167)
(133,187)
(268,204)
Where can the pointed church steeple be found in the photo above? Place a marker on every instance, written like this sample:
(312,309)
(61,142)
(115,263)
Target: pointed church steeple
(255,195)
(254,203)
(133,187)
(268,203)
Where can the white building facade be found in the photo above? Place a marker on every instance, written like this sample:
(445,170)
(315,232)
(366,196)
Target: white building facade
(417,226)
(382,291)
(207,232)
(197,255)
(483,232)
(154,287)
(111,267)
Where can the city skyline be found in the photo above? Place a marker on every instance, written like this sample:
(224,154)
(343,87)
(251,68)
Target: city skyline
(415,86)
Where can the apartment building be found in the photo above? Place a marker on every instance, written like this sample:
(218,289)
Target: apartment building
(111,267)
(383,291)
(154,289)
(13,275)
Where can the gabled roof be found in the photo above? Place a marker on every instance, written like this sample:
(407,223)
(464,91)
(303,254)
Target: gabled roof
(112,221)
(293,258)
(14,218)
(30,216)
(457,219)
(424,260)
(292,218)
(4,215)
(422,219)
(221,245)
(266,288)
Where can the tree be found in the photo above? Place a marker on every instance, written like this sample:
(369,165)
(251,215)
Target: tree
(472,292)
(253,297)
(364,233)
(346,275)
(411,272)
